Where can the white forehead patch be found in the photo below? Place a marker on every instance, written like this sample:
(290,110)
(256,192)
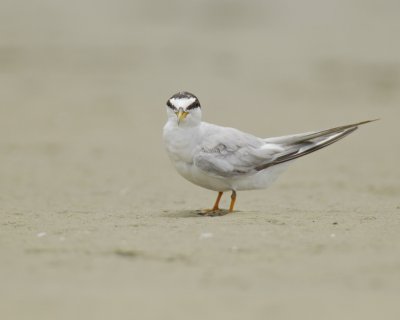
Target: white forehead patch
(182,102)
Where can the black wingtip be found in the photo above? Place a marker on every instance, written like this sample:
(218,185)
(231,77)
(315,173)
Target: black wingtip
(338,132)
(366,121)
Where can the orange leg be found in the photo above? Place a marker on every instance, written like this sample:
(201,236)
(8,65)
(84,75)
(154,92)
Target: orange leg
(215,211)
(233,200)
(216,204)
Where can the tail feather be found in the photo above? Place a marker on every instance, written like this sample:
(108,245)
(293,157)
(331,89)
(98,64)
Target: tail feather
(300,145)
(336,130)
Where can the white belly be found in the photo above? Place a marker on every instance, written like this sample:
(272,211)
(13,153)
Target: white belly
(259,180)
(198,177)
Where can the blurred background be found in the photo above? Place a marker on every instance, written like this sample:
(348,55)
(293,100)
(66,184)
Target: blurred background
(83,85)
(90,78)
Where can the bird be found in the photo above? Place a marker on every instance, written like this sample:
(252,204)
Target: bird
(225,159)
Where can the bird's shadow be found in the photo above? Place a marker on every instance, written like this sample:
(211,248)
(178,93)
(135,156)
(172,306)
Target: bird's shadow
(195,214)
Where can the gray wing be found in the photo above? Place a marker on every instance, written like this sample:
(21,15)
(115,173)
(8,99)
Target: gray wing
(231,153)
(227,152)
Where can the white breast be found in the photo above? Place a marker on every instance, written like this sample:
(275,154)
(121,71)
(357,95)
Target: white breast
(181,145)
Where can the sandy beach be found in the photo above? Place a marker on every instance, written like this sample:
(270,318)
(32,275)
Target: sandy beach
(96,224)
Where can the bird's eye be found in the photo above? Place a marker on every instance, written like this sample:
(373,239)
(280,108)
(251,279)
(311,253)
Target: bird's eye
(194,105)
(169,104)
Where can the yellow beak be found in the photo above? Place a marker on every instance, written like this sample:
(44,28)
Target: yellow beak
(181,115)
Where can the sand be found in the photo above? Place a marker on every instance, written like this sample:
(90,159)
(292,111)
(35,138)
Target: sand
(96,224)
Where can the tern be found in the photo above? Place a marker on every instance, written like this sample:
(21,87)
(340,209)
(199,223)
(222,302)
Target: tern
(225,159)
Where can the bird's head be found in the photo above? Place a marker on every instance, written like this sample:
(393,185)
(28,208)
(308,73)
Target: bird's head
(184,108)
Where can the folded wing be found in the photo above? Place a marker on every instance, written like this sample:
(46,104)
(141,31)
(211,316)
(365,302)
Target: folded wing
(237,154)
